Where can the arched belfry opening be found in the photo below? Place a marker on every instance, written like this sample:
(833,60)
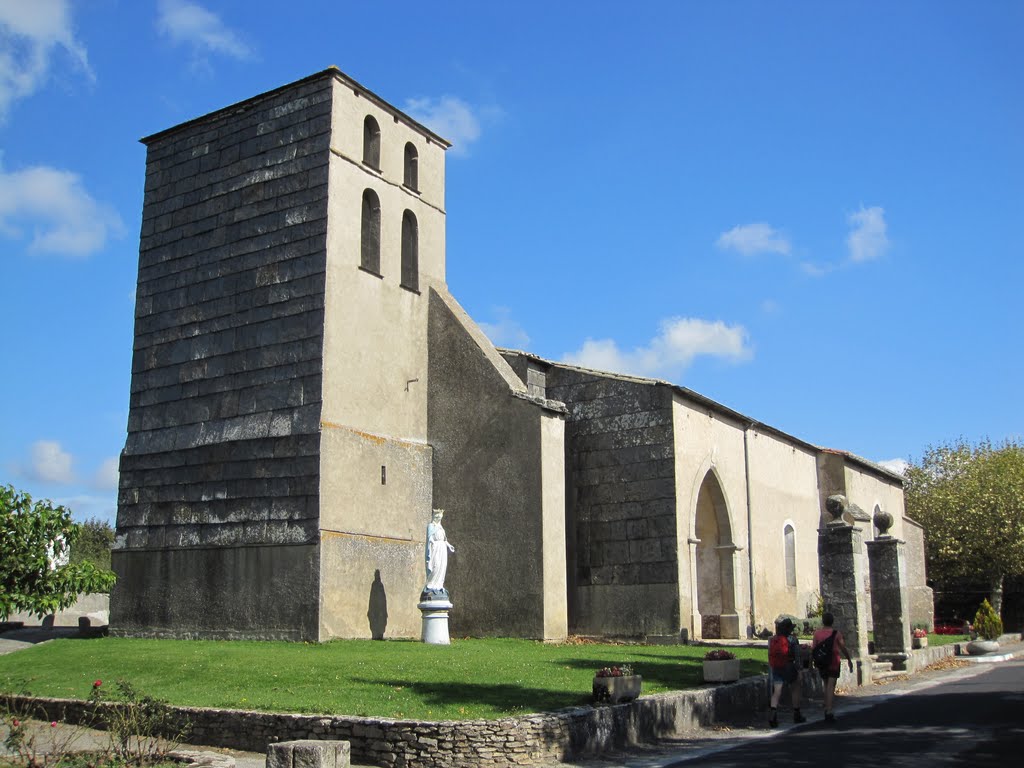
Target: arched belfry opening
(715,568)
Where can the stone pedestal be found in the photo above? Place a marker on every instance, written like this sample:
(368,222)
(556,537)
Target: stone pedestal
(841,568)
(890,599)
(435,621)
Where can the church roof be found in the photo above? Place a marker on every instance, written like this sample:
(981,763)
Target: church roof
(718,408)
(331,71)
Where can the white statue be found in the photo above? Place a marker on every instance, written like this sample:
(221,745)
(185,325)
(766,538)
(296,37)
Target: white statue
(437,555)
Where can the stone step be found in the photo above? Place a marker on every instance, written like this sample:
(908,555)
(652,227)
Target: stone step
(878,677)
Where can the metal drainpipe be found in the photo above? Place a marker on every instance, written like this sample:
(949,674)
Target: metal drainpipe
(750,519)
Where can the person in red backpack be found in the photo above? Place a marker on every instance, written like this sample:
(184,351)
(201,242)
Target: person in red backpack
(783,669)
(830,672)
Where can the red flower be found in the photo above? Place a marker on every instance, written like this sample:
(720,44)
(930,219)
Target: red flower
(97,684)
(53,723)
(16,723)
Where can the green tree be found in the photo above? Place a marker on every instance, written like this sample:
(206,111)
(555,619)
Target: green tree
(94,543)
(34,536)
(970,500)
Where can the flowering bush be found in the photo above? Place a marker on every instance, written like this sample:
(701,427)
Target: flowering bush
(920,633)
(719,655)
(623,670)
(952,628)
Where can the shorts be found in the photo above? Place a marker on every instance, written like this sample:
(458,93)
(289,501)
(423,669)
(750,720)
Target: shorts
(786,674)
(827,674)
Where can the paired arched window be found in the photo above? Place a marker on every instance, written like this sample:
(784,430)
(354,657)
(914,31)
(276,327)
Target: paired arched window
(369,258)
(789,542)
(411,178)
(371,143)
(410,252)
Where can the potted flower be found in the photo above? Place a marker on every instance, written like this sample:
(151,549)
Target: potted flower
(919,638)
(721,666)
(614,685)
(988,627)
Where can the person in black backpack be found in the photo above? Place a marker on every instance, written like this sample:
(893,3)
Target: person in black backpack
(783,653)
(826,646)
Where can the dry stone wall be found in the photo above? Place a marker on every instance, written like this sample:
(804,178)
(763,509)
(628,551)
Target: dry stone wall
(528,740)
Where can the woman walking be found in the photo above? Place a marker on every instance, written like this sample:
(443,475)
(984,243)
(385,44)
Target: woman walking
(827,660)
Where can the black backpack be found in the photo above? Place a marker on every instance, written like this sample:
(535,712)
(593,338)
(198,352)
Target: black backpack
(822,653)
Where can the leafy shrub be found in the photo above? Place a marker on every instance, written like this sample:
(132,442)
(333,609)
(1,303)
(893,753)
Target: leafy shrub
(142,729)
(987,622)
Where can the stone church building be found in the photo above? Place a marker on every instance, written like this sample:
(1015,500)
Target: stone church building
(305,390)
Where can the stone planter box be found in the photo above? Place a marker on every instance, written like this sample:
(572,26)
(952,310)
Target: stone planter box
(981,647)
(919,642)
(723,671)
(615,690)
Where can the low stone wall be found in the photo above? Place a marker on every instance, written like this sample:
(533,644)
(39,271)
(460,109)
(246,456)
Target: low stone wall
(925,657)
(562,735)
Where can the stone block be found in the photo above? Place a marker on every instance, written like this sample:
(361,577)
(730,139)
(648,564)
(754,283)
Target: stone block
(309,754)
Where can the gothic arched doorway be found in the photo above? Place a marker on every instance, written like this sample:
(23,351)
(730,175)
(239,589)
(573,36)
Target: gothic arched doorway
(715,553)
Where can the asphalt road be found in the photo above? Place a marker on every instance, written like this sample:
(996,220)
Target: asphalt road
(973,716)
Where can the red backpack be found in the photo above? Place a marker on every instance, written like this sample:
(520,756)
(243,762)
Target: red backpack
(778,652)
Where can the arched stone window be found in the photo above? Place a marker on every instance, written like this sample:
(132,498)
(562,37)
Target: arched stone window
(412,174)
(789,539)
(410,252)
(371,143)
(369,256)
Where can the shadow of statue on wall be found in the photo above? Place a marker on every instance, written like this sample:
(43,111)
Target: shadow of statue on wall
(377,612)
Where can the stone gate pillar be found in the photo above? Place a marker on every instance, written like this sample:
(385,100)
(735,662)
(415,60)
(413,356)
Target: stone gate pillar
(890,598)
(841,569)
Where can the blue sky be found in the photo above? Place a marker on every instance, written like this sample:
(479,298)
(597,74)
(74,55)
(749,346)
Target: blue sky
(809,212)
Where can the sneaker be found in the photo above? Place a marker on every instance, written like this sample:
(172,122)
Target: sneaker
(797,717)
(773,720)
(829,717)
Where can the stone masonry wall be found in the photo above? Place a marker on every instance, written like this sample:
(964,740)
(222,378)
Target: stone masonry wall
(223,433)
(623,560)
(528,740)
(922,601)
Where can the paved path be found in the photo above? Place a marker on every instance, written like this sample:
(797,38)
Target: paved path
(959,712)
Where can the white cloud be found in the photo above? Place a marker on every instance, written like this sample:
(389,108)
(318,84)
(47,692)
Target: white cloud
(449,117)
(751,239)
(679,341)
(187,23)
(867,239)
(65,219)
(815,270)
(51,463)
(107,475)
(899,466)
(506,332)
(30,32)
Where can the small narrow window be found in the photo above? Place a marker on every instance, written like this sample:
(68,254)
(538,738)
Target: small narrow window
(383,475)
(410,252)
(412,177)
(789,536)
(370,235)
(371,143)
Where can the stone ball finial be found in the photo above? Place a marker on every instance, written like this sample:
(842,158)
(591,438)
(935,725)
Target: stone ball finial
(836,505)
(883,522)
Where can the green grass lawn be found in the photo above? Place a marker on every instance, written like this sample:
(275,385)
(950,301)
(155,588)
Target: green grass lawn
(934,639)
(403,679)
